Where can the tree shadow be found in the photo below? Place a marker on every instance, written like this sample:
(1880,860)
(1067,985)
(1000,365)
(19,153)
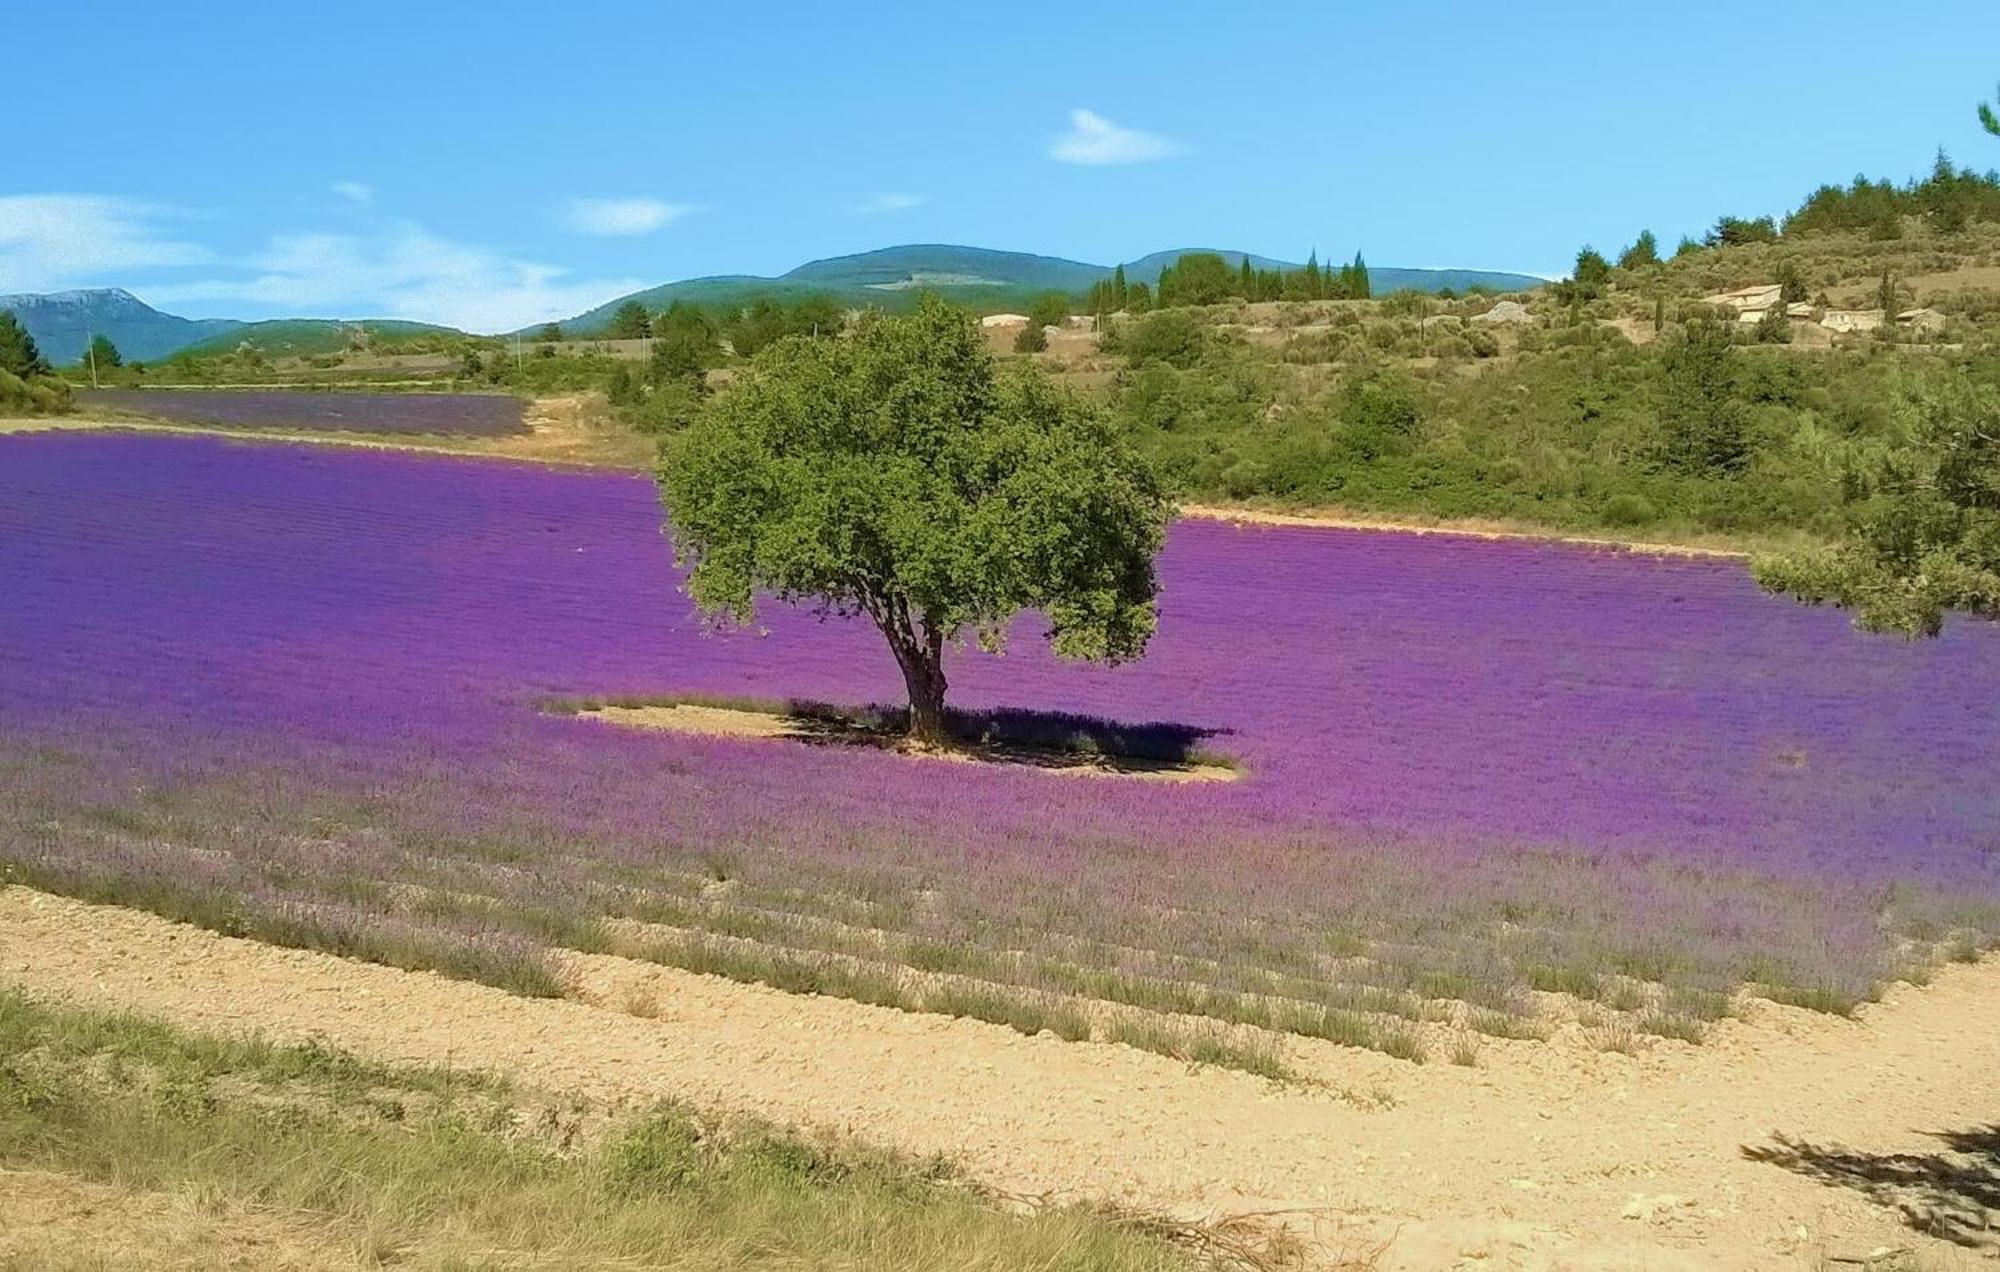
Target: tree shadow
(1008,735)
(1953,1193)
(1055,739)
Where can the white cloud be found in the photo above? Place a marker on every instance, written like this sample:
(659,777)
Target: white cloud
(613,217)
(888,202)
(401,270)
(355,192)
(53,241)
(1093,139)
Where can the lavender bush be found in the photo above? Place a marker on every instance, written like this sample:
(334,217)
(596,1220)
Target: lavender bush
(455,414)
(296,694)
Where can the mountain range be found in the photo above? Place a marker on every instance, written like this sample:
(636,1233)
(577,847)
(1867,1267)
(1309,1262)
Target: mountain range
(984,280)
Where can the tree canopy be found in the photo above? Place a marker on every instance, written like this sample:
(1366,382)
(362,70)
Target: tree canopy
(895,474)
(102,353)
(629,322)
(1925,537)
(18,354)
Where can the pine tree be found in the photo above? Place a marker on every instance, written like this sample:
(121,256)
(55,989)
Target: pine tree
(1361,289)
(18,354)
(1314,288)
(1118,288)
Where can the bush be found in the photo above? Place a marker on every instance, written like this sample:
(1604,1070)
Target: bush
(1174,337)
(1032,338)
(1628,510)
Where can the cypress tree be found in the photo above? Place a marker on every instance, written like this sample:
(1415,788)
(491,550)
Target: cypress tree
(1247,279)
(1118,288)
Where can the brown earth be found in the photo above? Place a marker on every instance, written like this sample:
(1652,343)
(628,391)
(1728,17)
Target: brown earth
(1544,1155)
(731,722)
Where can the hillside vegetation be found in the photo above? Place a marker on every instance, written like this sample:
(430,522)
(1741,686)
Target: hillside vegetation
(1631,398)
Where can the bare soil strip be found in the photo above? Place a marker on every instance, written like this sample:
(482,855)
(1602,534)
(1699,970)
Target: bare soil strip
(688,717)
(1546,1155)
(1456,529)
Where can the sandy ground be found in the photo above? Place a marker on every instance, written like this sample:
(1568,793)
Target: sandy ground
(1334,520)
(729,722)
(1545,1155)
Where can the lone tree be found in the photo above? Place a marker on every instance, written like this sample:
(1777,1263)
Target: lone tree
(1924,539)
(103,353)
(895,475)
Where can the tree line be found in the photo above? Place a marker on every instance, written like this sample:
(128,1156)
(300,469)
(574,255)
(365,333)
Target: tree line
(1205,278)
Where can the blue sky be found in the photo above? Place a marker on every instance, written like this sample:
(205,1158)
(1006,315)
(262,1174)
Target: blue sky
(494,165)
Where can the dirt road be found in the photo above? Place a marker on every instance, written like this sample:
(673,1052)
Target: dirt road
(1546,1155)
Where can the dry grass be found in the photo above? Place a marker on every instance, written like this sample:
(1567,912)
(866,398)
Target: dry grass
(195,1143)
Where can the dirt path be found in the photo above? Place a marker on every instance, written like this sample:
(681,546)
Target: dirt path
(1457,529)
(1547,1155)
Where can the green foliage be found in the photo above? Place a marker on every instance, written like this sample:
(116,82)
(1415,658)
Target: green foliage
(18,355)
(1031,338)
(1645,250)
(551,333)
(1050,309)
(1988,120)
(35,395)
(629,321)
(1197,278)
(684,347)
(767,320)
(1925,540)
(895,475)
(1702,425)
(102,354)
(1948,199)
(1791,283)
(1735,231)
(1172,337)
(1592,275)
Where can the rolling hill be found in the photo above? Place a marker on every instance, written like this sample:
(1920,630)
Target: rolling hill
(980,278)
(280,337)
(63,322)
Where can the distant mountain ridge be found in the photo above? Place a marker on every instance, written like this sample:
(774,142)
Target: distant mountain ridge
(982,279)
(62,324)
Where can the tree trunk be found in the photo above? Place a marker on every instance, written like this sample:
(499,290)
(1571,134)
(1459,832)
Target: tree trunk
(923,674)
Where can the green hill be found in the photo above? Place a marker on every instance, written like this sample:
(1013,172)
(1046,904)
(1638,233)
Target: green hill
(301,337)
(981,279)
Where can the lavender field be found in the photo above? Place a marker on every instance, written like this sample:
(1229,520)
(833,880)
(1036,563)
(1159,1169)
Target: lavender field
(445,414)
(297,694)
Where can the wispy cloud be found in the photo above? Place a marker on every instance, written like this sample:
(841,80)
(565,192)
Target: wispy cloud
(1092,139)
(54,241)
(888,201)
(355,192)
(400,270)
(617,217)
